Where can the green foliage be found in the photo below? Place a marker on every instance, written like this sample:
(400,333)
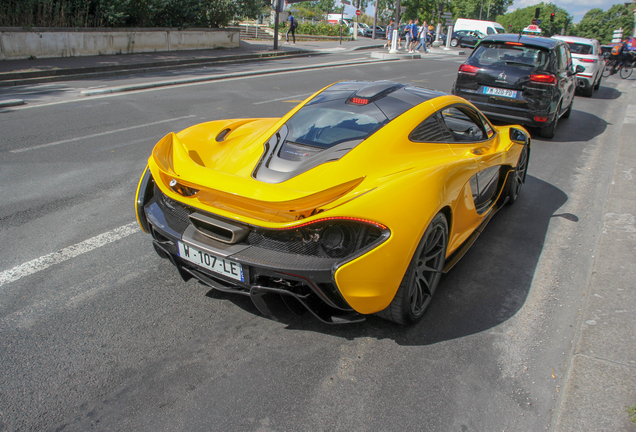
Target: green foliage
(125,13)
(632,413)
(428,9)
(319,28)
(523,17)
(597,24)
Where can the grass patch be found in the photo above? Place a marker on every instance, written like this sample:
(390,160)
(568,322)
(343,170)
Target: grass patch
(632,413)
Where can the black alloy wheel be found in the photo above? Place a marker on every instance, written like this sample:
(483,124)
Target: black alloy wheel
(517,177)
(422,276)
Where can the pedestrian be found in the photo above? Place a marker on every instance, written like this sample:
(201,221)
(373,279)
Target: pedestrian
(407,30)
(423,37)
(292,28)
(414,34)
(389,34)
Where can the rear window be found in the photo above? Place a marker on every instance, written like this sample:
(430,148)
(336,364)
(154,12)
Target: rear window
(490,53)
(329,123)
(579,48)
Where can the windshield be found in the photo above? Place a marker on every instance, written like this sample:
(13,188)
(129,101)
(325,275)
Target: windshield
(329,123)
(502,54)
(579,48)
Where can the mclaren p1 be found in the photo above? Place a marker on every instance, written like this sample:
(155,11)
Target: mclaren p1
(353,203)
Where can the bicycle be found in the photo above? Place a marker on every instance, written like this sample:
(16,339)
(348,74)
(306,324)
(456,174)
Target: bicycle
(625,68)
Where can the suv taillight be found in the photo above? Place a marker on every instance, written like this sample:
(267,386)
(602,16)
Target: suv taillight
(468,69)
(543,78)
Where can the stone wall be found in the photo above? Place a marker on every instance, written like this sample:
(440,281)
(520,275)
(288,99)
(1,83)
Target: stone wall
(18,43)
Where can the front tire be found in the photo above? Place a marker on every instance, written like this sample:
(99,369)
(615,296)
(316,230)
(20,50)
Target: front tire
(626,71)
(453,42)
(422,276)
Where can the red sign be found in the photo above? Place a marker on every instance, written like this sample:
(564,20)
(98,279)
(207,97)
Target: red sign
(358,12)
(534,21)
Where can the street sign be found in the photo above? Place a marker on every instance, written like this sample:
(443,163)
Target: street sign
(449,22)
(538,21)
(358,12)
(534,20)
(347,2)
(446,15)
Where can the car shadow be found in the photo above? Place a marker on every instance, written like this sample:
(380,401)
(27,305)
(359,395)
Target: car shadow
(487,287)
(604,92)
(581,126)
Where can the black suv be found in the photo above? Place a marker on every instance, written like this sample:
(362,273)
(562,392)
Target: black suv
(520,79)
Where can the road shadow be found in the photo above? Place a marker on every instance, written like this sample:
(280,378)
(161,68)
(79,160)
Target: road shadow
(487,287)
(604,92)
(581,126)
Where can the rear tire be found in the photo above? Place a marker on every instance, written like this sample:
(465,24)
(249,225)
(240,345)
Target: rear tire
(569,111)
(517,177)
(587,91)
(549,131)
(598,84)
(422,276)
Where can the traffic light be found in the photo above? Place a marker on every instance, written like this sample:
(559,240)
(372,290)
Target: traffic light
(552,17)
(441,8)
(537,12)
(267,2)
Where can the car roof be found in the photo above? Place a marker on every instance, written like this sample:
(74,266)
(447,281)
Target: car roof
(538,41)
(575,39)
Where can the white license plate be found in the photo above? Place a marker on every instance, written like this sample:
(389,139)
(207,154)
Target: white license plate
(212,262)
(500,92)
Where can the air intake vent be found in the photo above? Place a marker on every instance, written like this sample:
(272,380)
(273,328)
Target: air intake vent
(218,230)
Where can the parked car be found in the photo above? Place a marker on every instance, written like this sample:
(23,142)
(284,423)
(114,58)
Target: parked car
(486,27)
(520,79)
(380,33)
(466,38)
(324,207)
(586,53)
(361,28)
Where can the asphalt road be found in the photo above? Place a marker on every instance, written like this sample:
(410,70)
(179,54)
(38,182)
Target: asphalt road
(97,332)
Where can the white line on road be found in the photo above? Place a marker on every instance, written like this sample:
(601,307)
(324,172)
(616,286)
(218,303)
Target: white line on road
(284,98)
(46,261)
(98,134)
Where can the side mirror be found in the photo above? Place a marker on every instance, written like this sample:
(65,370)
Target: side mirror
(518,136)
(579,69)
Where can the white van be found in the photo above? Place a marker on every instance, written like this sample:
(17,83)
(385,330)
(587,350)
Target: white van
(486,27)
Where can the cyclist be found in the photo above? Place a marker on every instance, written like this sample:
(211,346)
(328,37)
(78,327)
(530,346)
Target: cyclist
(619,54)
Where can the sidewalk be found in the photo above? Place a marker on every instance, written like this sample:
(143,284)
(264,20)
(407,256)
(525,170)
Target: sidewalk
(22,72)
(601,375)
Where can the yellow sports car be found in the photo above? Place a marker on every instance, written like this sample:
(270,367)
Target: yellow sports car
(353,203)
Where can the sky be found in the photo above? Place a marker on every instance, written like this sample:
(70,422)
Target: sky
(576,8)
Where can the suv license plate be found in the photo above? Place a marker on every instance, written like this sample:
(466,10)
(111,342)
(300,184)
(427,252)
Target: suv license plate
(500,92)
(209,261)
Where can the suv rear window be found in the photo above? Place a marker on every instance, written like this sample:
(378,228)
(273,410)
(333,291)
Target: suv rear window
(579,48)
(490,53)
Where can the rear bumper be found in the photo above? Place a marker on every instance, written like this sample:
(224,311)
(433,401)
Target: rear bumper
(304,283)
(509,114)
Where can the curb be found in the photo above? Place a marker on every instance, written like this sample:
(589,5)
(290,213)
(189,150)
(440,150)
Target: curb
(150,85)
(11,102)
(137,68)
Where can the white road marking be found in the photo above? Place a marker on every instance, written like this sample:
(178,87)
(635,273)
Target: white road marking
(98,134)
(46,261)
(284,98)
(630,114)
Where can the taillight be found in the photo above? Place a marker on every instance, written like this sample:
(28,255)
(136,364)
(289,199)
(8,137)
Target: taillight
(588,60)
(543,79)
(467,69)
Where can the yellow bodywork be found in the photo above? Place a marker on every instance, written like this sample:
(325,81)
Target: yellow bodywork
(387,179)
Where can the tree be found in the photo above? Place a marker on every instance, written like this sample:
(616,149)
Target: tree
(597,24)
(517,20)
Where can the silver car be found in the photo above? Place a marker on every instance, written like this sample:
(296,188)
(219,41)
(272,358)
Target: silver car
(587,53)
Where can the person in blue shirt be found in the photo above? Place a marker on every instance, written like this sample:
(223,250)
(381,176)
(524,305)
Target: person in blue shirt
(413,31)
(292,28)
